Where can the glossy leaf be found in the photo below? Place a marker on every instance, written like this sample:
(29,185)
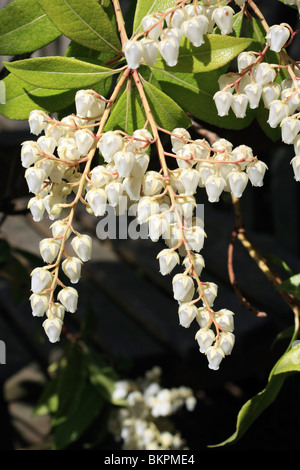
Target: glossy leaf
(82,52)
(216,51)
(85,22)
(291,285)
(194,94)
(146,7)
(25,27)
(58,72)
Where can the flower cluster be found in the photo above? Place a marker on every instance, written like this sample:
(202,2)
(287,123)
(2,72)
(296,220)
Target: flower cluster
(258,81)
(144,422)
(163,32)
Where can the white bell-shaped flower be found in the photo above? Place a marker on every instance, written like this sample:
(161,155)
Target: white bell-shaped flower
(57,310)
(290,128)
(195,238)
(142,139)
(60,228)
(291,97)
(187,313)
(226,342)
(203,317)
(190,179)
(296,145)
(150,51)
(72,268)
(37,208)
(223,17)
(99,176)
(295,162)
(237,181)
(210,292)
(253,92)
(182,284)
(133,51)
(192,9)
(82,245)
(53,327)
(223,101)
(239,104)
(146,208)
(152,183)
(69,298)
(225,319)
(277,36)
(194,28)
(67,149)
(223,144)
(41,279)
(175,18)
(57,172)
(168,259)
(132,187)
(39,304)
(49,248)
(124,162)
(150,22)
(214,186)
(277,112)
(169,49)
(227,79)
(175,33)
(214,355)
(88,104)
(263,73)
(30,153)
(47,144)
(35,178)
(37,121)
(244,60)
(109,144)
(205,171)
(158,226)
(97,199)
(84,140)
(270,92)
(140,165)
(52,204)
(205,338)
(114,192)
(177,138)
(197,261)
(256,172)
(54,130)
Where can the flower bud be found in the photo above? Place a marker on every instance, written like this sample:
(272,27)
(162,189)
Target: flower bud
(56,311)
(182,284)
(224,319)
(39,304)
(214,186)
(97,199)
(187,313)
(82,245)
(195,238)
(30,153)
(133,51)
(203,317)
(35,178)
(210,291)
(152,183)
(37,208)
(277,37)
(223,101)
(53,327)
(40,280)
(49,249)
(197,261)
(84,140)
(72,268)
(67,149)
(226,342)
(237,181)
(88,105)
(290,128)
(205,338)
(150,51)
(214,356)
(168,259)
(124,162)
(277,112)
(169,49)
(296,167)
(37,121)
(60,229)
(223,17)
(69,298)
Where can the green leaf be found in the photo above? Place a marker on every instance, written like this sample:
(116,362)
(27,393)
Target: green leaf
(21,98)
(82,52)
(216,51)
(291,285)
(25,28)
(253,408)
(146,7)
(167,113)
(194,94)
(276,260)
(127,113)
(73,428)
(100,375)
(84,22)
(60,73)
